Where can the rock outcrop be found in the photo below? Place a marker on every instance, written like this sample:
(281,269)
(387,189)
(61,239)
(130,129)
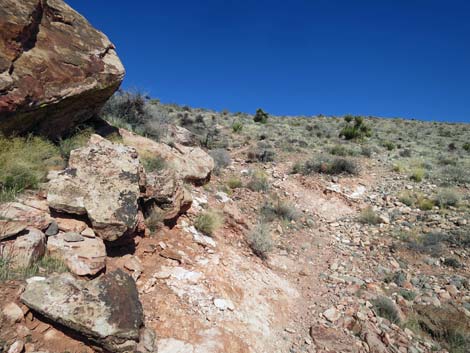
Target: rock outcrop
(56,70)
(103,182)
(26,249)
(107,310)
(191,164)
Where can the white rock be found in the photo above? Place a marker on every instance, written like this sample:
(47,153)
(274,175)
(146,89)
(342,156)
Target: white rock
(224,304)
(12,312)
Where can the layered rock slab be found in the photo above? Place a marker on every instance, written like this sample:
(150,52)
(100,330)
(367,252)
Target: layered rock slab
(56,70)
(191,164)
(103,182)
(106,310)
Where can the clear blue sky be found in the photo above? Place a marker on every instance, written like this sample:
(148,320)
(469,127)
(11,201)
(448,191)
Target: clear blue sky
(393,58)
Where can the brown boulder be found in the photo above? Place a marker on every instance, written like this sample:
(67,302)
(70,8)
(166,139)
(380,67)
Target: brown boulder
(56,70)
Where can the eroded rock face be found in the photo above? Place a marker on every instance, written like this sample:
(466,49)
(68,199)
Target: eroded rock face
(102,181)
(191,164)
(107,310)
(165,191)
(56,70)
(85,257)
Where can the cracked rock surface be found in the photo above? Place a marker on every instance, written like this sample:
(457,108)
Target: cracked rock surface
(55,68)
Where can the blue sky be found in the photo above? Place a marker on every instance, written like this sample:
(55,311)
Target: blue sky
(389,58)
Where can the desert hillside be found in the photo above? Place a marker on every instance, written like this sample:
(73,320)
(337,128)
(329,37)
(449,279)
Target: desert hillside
(132,225)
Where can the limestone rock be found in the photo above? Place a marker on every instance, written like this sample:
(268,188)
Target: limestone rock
(107,309)
(86,257)
(26,249)
(191,164)
(103,182)
(56,70)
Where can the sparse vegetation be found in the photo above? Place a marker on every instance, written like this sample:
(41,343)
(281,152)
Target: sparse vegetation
(234,183)
(260,240)
(327,165)
(45,266)
(386,308)
(153,164)
(359,130)
(369,216)
(258,181)
(278,209)
(261,116)
(208,222)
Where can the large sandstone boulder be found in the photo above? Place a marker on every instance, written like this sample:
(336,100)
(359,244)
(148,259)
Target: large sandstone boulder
(103,181)
(56,70)
(107,310)
(191,164)
(26,249)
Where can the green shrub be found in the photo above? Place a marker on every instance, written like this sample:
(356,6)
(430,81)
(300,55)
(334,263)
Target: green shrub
(77,140)
(417,174)
(153,164)
(260,240)
(234,183)
(368,216)
(447,197)
(208,222)
(261,116)
(425,204)
(466,146)
(221,159)
(258,181)
(358,130)
(386,308)
(24,163)
(332,166)
(390,146)
(237,126)
(340,150)
(407,198)
(279,209)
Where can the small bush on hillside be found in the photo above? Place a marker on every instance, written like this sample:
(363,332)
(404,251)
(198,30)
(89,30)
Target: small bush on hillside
(260,240)
(332,166)
(261,116)
(369,216)
(466,146)
(234,183)
(154,218)
(358,130)
(340,150)
(24,163)
(221,159)
(386,308)
(279,209)
(417,174)
(366,151)
(237,126)
(258,181)
(208,222)
(263,155)
(153,164)
(77,140)
(405,153)
(390,146)
(447,197)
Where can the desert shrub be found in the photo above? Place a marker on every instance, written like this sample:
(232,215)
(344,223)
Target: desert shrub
(429,243)
(260,240)
(24,163)
(358,130)
(340,150)
(221,159)
(137,112)
(417,174)
(263,155)
(366,151)
(452,262)
(279,209)
(234,183)
(258,181)
(407,198)
(386,308)
(466,146)
(77,140)
(237,126)
(153,164)
(261,116)
(455,174)
(154,219)
(390,146)
(425,204)
(447,197)
(45,266)
(332,166)
(407,294)
(369,216)
(208,222)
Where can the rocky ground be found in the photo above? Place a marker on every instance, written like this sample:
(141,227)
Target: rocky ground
(331,284)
